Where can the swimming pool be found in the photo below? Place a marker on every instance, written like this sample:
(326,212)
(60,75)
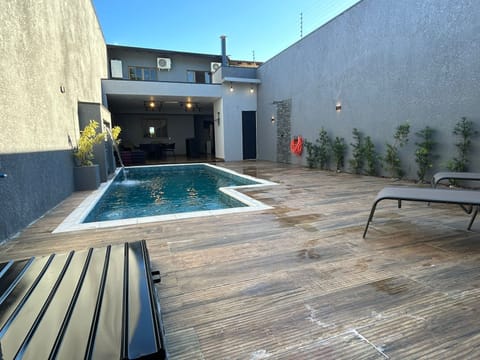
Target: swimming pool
(164,192)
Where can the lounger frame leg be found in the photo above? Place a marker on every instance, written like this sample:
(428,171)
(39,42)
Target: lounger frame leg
(370,218)
(468,209)
(477,208)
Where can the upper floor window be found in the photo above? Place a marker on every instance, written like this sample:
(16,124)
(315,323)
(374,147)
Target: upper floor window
(199,77)
(142,73)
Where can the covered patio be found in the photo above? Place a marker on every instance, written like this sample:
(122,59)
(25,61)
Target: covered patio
(298,281)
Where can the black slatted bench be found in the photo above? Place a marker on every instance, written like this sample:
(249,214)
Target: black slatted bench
(93,304)
(460,197)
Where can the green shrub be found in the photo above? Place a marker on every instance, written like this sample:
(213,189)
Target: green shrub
(318,153)
(371,157)
(423,153)
(324,147)
(465,131)
(88,138)
(392,159)
(339,147)
(356,163)
(311,154)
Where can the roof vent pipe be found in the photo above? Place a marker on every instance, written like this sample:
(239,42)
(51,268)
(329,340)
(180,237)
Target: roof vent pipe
(224,50)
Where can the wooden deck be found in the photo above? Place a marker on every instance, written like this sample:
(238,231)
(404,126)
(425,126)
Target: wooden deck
(298,281)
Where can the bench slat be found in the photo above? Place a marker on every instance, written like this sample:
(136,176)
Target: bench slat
(97,303)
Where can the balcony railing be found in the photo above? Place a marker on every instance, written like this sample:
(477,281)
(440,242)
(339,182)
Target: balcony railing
(234,73)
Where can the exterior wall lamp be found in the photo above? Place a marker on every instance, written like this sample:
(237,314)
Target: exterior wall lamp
(273,119)
(231,87)
(338,107)
(218,118)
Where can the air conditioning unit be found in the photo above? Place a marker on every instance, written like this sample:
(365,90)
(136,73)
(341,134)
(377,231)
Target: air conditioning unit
(164,63)
(214,66)
(116,69)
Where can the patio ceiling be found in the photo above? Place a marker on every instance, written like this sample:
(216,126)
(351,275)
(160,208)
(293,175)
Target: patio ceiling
(163,104)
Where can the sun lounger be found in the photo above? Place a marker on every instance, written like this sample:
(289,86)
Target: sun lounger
(446,196)
(454,176)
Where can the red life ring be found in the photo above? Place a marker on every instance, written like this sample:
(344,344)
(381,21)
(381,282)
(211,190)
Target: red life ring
(296,145)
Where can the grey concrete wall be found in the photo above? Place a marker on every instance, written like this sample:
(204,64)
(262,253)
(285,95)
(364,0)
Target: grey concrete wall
(387,62)
(36,182)
(52,55)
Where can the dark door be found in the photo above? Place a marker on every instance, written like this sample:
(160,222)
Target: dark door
(249,132)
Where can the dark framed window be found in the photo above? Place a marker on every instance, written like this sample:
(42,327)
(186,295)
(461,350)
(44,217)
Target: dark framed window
(142,73)
(199,77)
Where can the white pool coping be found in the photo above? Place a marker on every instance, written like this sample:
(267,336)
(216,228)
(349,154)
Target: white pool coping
(74,221)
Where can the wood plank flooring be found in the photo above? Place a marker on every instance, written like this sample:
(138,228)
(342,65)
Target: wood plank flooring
(298,281)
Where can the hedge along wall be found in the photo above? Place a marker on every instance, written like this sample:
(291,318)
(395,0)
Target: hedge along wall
(386,62)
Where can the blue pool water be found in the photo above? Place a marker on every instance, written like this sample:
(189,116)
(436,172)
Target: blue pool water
(160,190)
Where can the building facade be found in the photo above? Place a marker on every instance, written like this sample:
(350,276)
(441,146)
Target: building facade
(196,101)
(378,65)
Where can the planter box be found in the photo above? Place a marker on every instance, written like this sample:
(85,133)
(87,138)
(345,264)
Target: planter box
(86,177)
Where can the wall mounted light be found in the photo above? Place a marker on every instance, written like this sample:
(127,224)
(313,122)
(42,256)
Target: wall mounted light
(273,119)
(338,107)
(151,131)
(252,90)
(231,87)
(62,89)
(218,118)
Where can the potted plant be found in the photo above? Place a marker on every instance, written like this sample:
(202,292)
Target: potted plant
(86,174)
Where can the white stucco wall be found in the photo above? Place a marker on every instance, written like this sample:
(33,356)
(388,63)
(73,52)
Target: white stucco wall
(241,99)
(46,45)
(52,56)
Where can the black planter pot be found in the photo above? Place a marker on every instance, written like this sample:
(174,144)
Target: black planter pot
(86,177)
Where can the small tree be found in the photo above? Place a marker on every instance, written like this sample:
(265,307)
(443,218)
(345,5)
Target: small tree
(465,131)
(339,147)
(324,146)
(371,156)
(311,153)
(356,162)
(392,158)
(423,153)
